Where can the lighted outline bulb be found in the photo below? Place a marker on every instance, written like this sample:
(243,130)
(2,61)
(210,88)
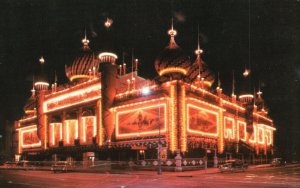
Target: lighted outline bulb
(108,22)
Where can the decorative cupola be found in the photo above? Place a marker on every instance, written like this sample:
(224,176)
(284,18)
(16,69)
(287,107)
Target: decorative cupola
(172,63)
(199,72)
(85,66)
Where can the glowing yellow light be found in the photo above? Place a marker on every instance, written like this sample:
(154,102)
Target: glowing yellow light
(172,70)
(205,110)
(27,119)
(245,96)
(78,76)
(118,135)
(41,83)
(103,54)
(173,119)
(263,117)
(183,138)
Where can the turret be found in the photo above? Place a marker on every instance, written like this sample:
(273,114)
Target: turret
(41,86)
(108,71)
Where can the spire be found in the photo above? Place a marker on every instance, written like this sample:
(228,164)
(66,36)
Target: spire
(233,84)
(33,90)
(198,51)
(259,91)
(85,42)
(172,34)
(219,81)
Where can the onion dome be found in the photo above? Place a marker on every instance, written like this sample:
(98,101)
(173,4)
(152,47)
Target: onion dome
(199,71)
(172,63)
(85,65)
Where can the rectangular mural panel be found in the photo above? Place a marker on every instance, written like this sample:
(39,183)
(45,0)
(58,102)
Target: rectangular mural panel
(141,121)
(30,137)
(202,121)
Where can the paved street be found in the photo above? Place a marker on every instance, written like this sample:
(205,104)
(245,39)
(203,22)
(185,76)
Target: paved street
(288,176)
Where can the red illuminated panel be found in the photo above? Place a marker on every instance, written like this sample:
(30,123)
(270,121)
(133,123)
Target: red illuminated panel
(71,132)
(30,138)
(141,121)
(202,121)
(242,130)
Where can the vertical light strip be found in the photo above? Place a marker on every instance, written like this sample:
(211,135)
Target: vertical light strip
(83,129)
(76,129)
(20,142)
(94,126)
(60,132)
(173,123)
(99,122)
(183,138)
(53,133)
(221,129)
(67,132)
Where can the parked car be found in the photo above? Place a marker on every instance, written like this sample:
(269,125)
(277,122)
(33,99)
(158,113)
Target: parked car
(61,166)
(233,166)
(278,162)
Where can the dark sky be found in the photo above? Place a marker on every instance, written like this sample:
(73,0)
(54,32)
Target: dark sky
(54,29)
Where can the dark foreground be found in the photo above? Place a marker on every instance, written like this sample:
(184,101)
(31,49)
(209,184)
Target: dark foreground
(288,176)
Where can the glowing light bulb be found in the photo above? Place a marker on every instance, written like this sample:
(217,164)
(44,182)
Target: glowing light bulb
(108,22)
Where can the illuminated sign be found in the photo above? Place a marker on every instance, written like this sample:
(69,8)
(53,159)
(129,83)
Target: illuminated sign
(29,138)
(73,98)
(202,121)
(141,121)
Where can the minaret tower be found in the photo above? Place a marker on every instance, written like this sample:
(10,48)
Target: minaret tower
(41,87)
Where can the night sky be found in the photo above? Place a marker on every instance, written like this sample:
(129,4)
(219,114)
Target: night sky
(54,29)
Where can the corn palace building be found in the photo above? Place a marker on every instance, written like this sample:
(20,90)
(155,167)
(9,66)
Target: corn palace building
(107,112)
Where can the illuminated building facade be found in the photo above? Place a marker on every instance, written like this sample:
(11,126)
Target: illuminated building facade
(106,112)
